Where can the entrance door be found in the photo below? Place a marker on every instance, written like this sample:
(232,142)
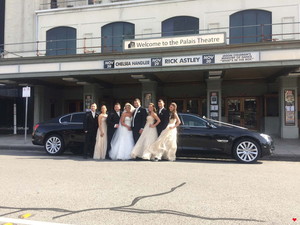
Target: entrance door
(243,112)
(190,105)
(74,106)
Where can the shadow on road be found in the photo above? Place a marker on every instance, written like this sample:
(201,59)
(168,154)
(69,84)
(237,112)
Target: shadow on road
(129,209)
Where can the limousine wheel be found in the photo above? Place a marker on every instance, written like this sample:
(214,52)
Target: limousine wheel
(246,151)
(54,145)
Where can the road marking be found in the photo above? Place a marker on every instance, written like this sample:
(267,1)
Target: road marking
(27,222)
(25,216)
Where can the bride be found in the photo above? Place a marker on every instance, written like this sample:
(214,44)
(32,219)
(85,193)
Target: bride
(122,142)
(165,146)
(149,134)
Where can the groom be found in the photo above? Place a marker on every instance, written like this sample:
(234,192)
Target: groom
(163,115)
(139,119)
(113,120)
(90,127)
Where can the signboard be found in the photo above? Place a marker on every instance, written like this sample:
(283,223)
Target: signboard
(214,105)
(289,107)
(177,41)
(182,60)
(241,57)
(26,92)
(127,63)
(87,102)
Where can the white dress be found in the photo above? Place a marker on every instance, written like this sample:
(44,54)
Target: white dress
(101,142)
(165,146)
(148,136)
(122,142)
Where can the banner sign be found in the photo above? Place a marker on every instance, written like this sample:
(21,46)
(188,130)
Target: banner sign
(237,57)
(127,63)
(183,60)
(171,42)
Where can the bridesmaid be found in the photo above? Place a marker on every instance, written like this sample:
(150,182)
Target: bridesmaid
(165,146)
(101,139)
(149,134)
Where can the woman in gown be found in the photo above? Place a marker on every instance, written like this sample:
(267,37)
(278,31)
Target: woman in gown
(101,138)
(122,142)
(149,134)
(165,146)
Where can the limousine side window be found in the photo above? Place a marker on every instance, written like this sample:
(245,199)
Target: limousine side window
(78,118)
(193,121)
(65,119)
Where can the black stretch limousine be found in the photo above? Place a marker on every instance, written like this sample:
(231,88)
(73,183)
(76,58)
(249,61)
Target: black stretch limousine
(195,134)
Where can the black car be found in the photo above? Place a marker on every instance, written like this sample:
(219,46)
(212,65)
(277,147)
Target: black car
(195,134)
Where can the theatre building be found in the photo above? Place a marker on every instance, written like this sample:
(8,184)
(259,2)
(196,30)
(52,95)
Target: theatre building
(237,62)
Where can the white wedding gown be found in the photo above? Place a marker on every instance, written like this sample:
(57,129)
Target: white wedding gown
(165,146)
(122,142)
(148,136)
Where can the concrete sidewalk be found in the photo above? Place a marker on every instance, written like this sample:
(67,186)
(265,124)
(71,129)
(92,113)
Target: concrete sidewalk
(284,148)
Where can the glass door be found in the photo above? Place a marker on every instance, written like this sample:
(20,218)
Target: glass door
(250,113)
(190,105)
(243,112)
(234,112)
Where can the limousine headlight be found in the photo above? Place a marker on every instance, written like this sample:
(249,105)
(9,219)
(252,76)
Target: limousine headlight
(266,137)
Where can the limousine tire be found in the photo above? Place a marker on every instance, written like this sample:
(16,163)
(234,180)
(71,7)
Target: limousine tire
(246,150)
(54,144)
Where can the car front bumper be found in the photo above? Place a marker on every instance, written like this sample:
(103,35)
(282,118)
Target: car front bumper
(267,148)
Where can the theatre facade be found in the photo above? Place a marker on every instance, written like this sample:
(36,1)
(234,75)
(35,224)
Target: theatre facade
(240,65)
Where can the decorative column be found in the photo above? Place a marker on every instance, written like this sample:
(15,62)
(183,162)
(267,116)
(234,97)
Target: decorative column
(39,104)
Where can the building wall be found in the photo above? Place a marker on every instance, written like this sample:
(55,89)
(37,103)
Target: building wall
(20,26)
(2,16)
(147,17)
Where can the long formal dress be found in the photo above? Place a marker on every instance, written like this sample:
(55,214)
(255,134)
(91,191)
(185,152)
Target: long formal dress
(101,142)
(165,146)
(148,136)
(122,142)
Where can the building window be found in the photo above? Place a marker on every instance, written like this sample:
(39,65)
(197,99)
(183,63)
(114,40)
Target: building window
(113,35)
(180,25)
(61,41)
(53,4)
(250,26)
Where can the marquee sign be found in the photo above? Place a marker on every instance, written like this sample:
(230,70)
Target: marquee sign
(177,41)
(240,57)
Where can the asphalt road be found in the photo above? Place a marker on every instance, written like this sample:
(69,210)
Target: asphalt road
(70,190)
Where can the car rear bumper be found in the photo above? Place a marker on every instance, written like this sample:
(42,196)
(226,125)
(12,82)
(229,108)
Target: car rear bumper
(37,139)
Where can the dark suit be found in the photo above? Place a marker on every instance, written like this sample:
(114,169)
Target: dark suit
(164,120)
(138,122)
(112,119)
(90,127)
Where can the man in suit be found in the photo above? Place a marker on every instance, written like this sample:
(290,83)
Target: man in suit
(112,120)
(90,127)
(163,115)
(138,120)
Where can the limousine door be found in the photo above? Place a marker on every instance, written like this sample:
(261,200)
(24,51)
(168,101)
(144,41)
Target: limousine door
(194,134)
(76,124)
